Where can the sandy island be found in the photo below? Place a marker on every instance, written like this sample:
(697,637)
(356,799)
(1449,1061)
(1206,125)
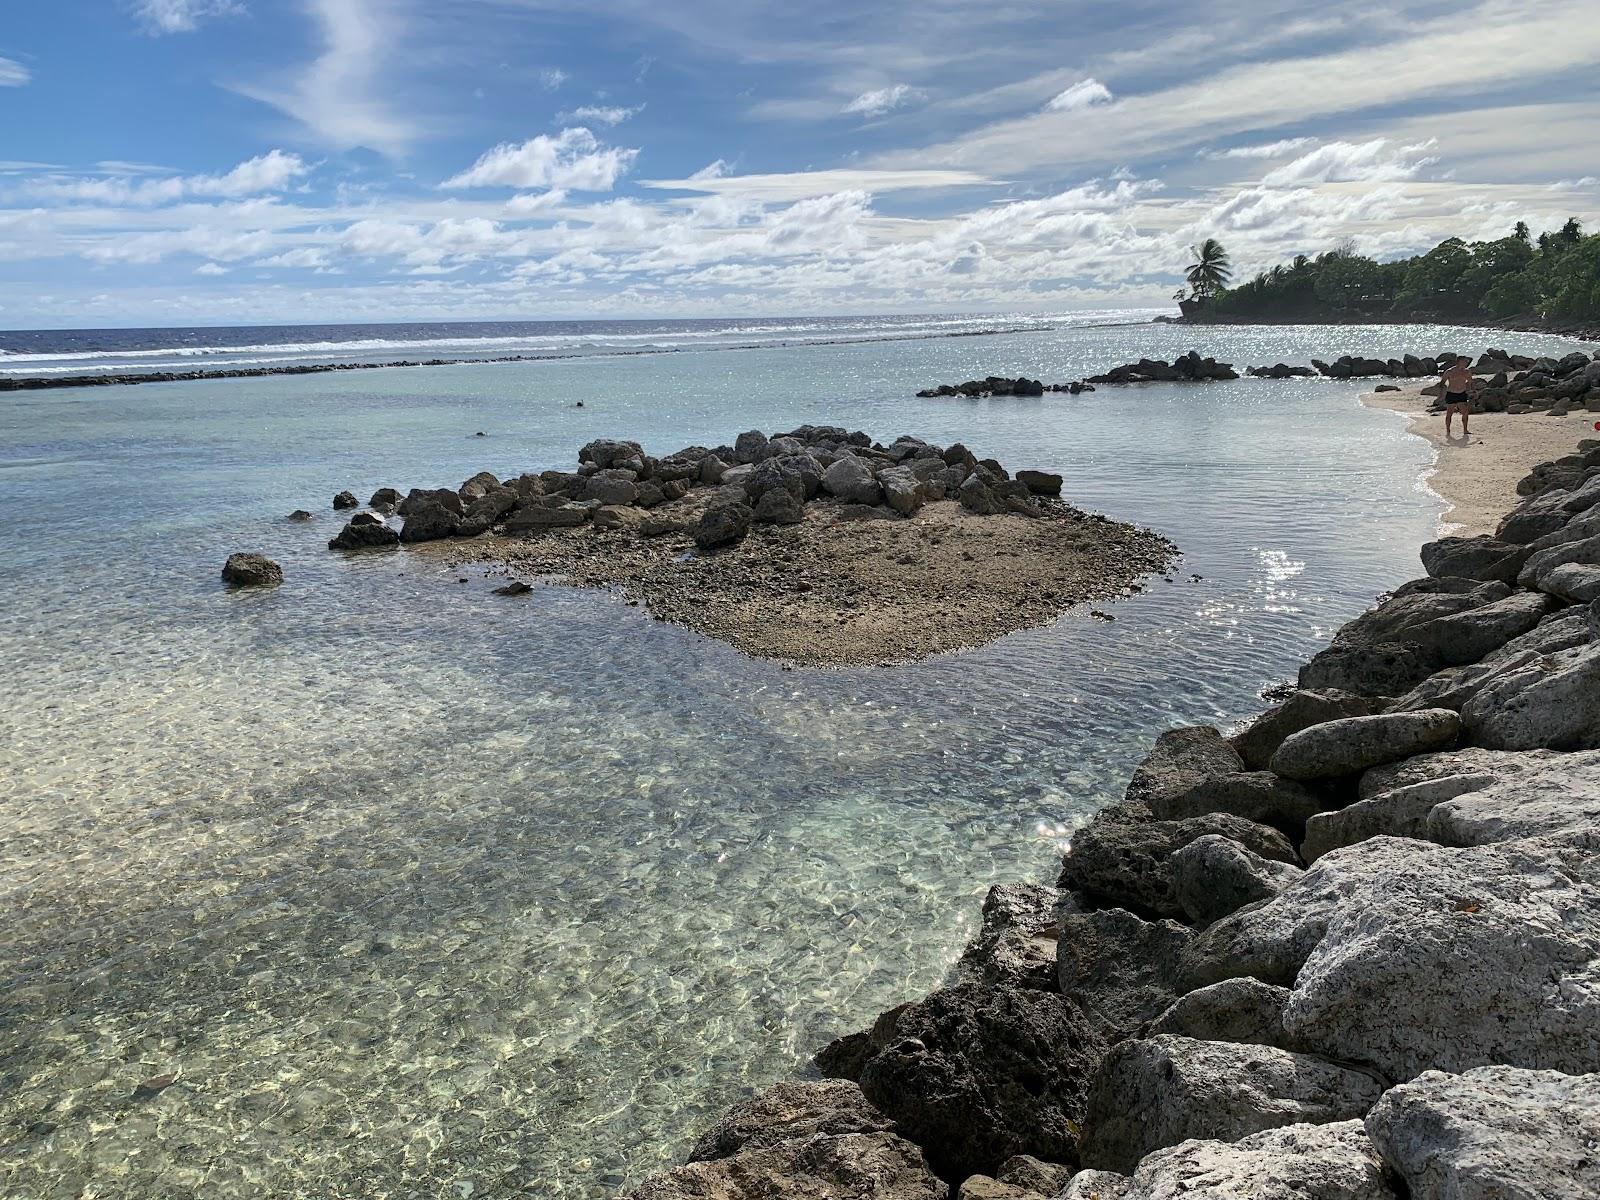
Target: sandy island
(832,592)
(1478,476)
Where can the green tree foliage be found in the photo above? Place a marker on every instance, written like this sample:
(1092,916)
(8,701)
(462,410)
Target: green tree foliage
(1210,271)
(1557,278)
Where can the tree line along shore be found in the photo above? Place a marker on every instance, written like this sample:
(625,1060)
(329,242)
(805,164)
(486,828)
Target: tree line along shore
(1549,283)
(1349,952)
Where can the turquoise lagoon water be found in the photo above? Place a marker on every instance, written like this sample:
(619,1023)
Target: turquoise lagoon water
(421,892)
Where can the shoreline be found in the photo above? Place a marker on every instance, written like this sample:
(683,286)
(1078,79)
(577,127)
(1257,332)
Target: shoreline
(1477,478)
(1291,961)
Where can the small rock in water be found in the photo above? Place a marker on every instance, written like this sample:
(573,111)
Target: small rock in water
(154,1085)
(1098,615)
(515,588)
(480,433)
(251,570)
(299,514)
(346,500)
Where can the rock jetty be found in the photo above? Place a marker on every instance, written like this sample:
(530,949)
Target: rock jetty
(1000,385)
(815,546)
(1351,950)
(1186,368)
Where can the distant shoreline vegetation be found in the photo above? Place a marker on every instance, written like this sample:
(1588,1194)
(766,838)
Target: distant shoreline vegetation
(1515,279)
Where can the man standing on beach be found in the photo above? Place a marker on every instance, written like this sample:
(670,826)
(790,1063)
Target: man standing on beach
(1458,385)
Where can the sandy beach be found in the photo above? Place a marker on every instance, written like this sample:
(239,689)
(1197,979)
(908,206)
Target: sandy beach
(1478,476)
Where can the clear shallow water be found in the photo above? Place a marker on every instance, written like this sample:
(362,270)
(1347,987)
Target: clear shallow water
(425,892)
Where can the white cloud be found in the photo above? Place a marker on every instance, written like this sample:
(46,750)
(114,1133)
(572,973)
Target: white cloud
(1086,93)
(528,204)
(1346,162)
(1267,150)
(1588,181)
(268,172)
(211,268)
(1535,41)
(552,77)
(573,159)
(600,114)
(339,97)
(882,100)
(796,185)
(13,73)
(180,16)
(305,258)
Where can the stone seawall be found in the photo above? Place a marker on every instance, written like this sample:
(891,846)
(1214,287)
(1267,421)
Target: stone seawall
(1351,952)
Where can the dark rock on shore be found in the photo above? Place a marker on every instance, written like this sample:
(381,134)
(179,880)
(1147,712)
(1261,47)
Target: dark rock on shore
(361,534)
(978,1073)
(251,570)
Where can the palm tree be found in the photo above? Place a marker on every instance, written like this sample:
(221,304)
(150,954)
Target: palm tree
(1210,271)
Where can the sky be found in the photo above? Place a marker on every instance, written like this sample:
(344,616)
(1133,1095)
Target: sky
(172,162)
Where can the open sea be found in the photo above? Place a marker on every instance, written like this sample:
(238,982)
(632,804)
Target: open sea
(421,892)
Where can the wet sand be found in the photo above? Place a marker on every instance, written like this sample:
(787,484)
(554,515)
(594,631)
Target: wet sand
(1478,476)
(832,593)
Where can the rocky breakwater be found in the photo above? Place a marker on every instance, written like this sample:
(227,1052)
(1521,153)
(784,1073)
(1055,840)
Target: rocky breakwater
(1517,384)
(1351,952)
(1186,368)
(815,546)
(1000,385)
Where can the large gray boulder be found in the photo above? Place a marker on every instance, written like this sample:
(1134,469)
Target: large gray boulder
(977,1074)
(1561,797)
(364,535)
(1402,955)
(1297,1162)
(902,491)
(1120,969)
(1122,862)
(1351,745)
(1235,1010)
(787,1111)
(1213,876)
(1454,686)
(606,453)
(612,486)
(1398,644)
(1258,796)
(750,446)
(778,507)
(850,479)
(1180,759)
(1466,637)
(1399,812)
(1552,702)
(722,525)
(1493,1133)
(1258,740)
(1469,760)
(856,1166)
(1482,557)
(428,520)
(1573,582)
(1583,551)
(1160,1091)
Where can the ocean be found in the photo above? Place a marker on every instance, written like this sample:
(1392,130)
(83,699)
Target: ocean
(419,891)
